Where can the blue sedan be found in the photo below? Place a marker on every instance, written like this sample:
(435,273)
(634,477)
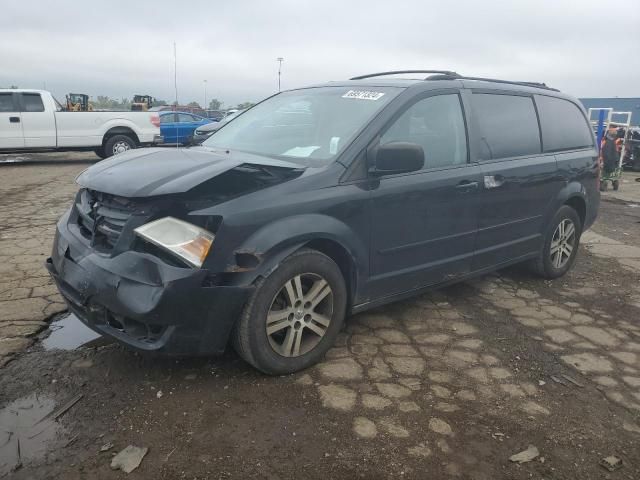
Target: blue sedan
(178,127)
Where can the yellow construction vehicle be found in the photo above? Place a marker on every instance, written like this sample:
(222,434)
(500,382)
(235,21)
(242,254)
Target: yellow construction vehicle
(142,103)
(78,102)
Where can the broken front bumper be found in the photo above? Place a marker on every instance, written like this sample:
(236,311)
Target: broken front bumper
(143,302)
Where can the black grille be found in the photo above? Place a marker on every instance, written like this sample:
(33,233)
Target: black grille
(102,217)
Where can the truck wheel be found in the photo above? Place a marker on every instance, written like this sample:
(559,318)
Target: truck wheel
(560,244)
(294,315)
(118,144)
(100,152)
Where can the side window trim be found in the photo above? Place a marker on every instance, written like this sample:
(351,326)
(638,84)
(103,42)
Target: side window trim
(571,149)
(401,111)
(535,107)
(519,157)
(19,102)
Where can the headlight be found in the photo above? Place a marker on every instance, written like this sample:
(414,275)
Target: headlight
(183,239)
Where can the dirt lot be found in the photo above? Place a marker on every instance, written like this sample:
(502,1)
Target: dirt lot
(446,385)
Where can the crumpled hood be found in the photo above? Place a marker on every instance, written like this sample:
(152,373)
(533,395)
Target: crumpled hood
(160,171)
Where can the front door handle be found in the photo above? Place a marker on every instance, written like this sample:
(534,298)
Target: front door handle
(14,119)
(467,185)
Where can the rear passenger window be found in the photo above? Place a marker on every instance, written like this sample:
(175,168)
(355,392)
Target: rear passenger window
(507,126)
(183,118)
(32,102)
(435,123)
(6,102)
(564,127)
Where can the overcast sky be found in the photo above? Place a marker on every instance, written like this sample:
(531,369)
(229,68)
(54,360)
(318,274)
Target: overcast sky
(119,48)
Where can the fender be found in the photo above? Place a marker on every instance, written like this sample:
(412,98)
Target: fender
(277,240)
(119,122)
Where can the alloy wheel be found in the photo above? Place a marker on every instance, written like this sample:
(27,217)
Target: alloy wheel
(300,315)
(562,243)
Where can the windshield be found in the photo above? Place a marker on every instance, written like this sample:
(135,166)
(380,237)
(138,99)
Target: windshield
(309,126)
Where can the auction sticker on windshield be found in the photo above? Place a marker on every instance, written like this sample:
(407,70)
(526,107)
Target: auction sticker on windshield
(363,95)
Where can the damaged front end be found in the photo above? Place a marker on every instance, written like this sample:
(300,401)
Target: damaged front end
(137,291)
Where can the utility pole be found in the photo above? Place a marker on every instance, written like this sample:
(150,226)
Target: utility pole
(279,60)
(205,95)
(175,82)
(175,72)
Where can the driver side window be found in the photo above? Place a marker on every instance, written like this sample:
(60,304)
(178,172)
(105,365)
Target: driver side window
(437,125)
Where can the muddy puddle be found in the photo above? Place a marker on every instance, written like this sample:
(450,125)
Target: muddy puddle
(69,333)
(27,430)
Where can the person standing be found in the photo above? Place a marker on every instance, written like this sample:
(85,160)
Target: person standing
(609,152)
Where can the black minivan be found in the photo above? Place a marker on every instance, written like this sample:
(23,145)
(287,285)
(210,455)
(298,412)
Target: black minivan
(324,201)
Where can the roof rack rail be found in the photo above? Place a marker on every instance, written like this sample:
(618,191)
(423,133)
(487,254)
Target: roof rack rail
(449,75)
(510,82)
(398,72)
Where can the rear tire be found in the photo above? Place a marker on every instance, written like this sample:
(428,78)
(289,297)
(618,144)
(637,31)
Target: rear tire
(616,184)
(118,144)
(561,238)
(284,327)
(603,185)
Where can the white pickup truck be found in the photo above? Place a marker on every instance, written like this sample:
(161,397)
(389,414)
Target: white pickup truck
(34,120)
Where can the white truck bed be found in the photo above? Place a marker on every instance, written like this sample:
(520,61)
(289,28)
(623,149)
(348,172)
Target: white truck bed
(32,119)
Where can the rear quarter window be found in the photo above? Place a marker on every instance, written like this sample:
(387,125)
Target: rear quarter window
(32,102)
(563,125)
(507,126)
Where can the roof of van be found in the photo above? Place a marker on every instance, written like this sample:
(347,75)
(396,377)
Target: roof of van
(432,79)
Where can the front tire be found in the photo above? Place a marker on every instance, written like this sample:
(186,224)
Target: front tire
(294,315)
(118,144)
(100,153)
(560,246)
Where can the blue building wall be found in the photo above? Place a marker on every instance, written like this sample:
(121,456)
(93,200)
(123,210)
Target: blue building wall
(618,105)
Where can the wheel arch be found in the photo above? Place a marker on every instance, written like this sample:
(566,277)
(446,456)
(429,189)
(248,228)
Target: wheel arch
(574,195)
(120,130)
(341,256)
(579,204)
(263,251)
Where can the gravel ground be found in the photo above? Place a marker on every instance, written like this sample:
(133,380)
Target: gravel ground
(445,385)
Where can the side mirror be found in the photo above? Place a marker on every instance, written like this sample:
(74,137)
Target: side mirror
(398,157)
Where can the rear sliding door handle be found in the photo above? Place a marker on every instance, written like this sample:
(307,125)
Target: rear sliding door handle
(467,186)
(14,119)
